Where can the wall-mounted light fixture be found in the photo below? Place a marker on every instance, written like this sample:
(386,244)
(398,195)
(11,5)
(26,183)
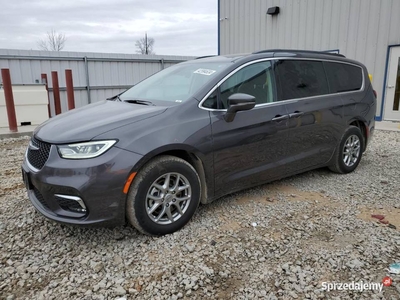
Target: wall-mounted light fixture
(273,10)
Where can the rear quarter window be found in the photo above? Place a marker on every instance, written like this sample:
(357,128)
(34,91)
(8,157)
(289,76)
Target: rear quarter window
(343,77)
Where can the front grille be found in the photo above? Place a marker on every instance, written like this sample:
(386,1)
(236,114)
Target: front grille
(40,197)
(68,204)
(38,153)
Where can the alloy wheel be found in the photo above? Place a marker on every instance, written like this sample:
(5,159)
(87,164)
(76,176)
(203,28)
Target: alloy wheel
(351,150)
(168,198)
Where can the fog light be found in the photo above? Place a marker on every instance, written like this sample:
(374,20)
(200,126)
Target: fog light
(71,203)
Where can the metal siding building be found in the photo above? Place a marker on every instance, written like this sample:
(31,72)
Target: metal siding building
(364,30)
(96,76)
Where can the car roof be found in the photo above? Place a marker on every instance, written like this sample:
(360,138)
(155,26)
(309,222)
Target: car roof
(279,52)
(287,53)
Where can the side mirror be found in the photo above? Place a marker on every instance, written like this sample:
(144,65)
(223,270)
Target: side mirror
(238,102)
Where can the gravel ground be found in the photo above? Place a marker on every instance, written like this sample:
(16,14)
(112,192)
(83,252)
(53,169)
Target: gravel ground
(277,241)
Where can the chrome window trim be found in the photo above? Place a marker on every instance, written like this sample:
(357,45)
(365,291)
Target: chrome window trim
(282,101)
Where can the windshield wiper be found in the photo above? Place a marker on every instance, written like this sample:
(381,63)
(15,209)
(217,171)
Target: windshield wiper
(143,102)
(115,97)
(135,101)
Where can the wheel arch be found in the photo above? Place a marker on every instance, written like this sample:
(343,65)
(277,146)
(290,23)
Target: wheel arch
(363,126)
(195,158)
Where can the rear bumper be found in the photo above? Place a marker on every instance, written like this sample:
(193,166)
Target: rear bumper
(98,182)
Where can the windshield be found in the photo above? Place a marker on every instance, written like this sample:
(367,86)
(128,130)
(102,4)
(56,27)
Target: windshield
(177,83)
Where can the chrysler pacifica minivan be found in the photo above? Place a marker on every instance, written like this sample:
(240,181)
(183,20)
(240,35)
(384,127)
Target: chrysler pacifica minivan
(196,131)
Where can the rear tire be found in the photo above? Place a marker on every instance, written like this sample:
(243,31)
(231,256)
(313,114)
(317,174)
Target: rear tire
(163,196)
(349,151)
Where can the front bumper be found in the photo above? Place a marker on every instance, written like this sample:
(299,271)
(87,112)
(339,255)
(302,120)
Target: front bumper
(99,182)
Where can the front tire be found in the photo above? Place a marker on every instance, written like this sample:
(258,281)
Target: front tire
(163,196)
(349,151)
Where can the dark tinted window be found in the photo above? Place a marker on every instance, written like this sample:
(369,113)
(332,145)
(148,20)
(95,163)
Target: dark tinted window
(343,77)
(300,78)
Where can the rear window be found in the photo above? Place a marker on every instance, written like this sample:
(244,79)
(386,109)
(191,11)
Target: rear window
(343,77)
(300,79)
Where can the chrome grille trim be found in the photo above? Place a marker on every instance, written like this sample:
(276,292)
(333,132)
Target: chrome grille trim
(37,154)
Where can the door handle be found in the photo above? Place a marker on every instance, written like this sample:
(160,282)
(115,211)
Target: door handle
(296,114)
(280,117)
(390,86)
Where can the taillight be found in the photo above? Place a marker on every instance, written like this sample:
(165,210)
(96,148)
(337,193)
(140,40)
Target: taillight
(375,94)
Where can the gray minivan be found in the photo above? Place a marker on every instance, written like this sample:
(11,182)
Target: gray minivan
(197,131)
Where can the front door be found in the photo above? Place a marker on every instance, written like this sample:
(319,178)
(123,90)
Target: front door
(251,149)
(392,89)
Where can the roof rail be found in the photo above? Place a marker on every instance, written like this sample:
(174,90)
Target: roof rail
(205,56)
(299,52)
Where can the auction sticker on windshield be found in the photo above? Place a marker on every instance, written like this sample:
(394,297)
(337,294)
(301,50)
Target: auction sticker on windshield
(207,72)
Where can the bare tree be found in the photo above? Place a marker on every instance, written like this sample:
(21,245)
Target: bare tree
(145,45)
(54,41)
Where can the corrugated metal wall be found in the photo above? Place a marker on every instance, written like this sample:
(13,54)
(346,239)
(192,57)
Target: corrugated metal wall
(360,29)
(108,74)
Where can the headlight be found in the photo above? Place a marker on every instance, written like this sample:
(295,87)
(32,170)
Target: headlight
(84,150)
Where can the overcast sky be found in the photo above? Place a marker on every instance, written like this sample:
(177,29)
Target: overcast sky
(179,27)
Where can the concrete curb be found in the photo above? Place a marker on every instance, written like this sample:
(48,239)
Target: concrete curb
(387,126)
(15,134)
(387,129)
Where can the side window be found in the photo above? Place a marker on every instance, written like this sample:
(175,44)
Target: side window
(212,100)
(300,79)
(343,77)
(255,79)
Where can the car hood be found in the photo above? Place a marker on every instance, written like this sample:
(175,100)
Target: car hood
(84,124)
